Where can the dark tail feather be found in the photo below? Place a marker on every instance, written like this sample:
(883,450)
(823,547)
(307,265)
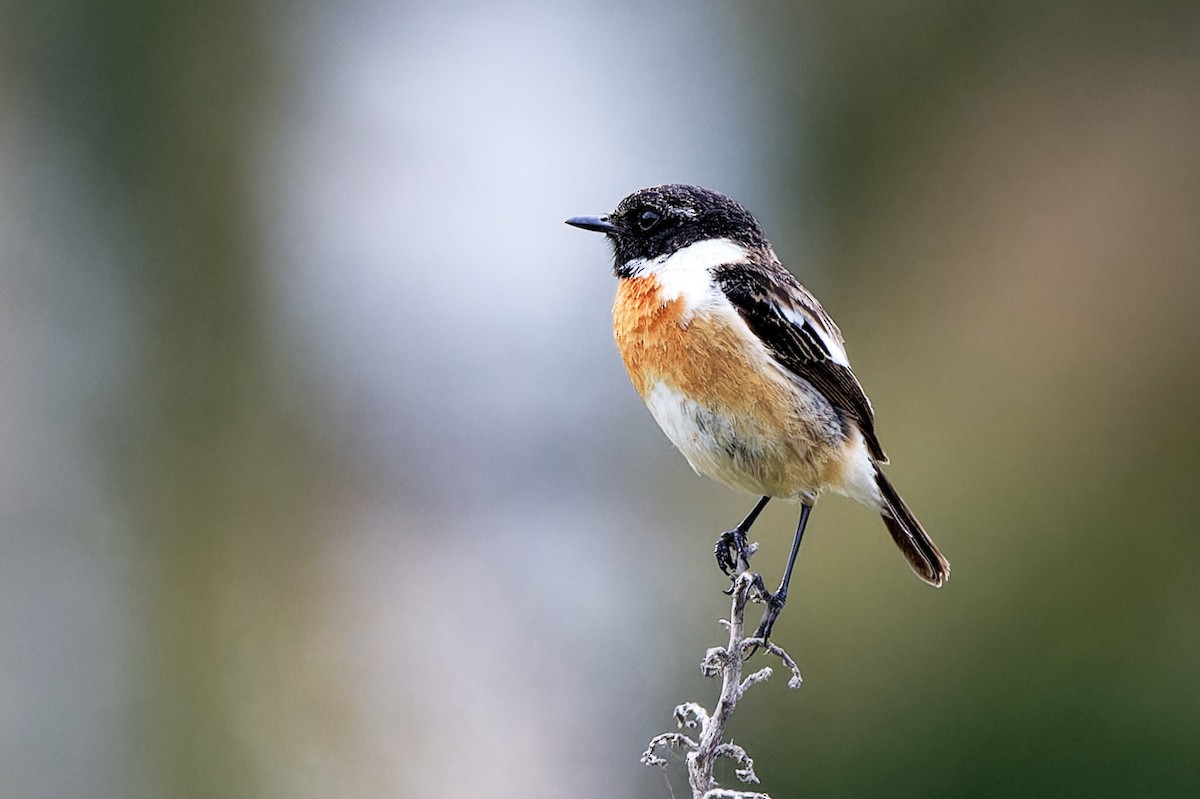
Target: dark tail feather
(910,536)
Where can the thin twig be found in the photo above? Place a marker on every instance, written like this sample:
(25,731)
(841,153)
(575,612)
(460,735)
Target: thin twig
(727,662)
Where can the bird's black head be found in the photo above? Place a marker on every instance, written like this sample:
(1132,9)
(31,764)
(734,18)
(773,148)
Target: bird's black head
(661,220)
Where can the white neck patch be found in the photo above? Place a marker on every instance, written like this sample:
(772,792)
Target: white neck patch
(687,272)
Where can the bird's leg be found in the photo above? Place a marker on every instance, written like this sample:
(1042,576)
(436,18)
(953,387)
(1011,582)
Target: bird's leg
(776,600)
(732,549)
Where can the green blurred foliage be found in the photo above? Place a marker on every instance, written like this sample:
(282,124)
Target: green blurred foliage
(224,491)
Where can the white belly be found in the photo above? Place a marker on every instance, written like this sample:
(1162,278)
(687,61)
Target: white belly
(745,456)
(728,450)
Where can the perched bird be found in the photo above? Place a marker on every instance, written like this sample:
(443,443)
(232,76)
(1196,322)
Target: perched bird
(744,370)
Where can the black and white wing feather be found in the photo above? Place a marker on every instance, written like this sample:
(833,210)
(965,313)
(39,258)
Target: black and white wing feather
(800,336)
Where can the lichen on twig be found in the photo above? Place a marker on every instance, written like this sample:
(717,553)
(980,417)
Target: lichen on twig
(709,745)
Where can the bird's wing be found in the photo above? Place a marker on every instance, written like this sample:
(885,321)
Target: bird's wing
(801,337)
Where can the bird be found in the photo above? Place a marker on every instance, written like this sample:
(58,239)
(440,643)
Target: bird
(745,372)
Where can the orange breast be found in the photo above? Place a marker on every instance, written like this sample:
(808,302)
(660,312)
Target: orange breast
(700,353)
(775,436)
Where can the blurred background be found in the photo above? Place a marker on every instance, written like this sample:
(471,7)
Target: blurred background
(321,475)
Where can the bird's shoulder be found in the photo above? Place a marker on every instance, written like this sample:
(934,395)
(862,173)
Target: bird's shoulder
(798,333)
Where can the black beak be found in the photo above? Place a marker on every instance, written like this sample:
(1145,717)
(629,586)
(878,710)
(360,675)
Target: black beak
(600,224)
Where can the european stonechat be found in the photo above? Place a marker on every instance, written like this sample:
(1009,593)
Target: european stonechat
(744,370)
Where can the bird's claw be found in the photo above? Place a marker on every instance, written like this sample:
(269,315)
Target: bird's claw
(733,552)
(774,603)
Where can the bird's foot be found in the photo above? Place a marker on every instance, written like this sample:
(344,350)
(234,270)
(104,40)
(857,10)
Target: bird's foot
(774,603)
(733,552)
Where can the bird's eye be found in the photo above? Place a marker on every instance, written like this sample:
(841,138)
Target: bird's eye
(648,220)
